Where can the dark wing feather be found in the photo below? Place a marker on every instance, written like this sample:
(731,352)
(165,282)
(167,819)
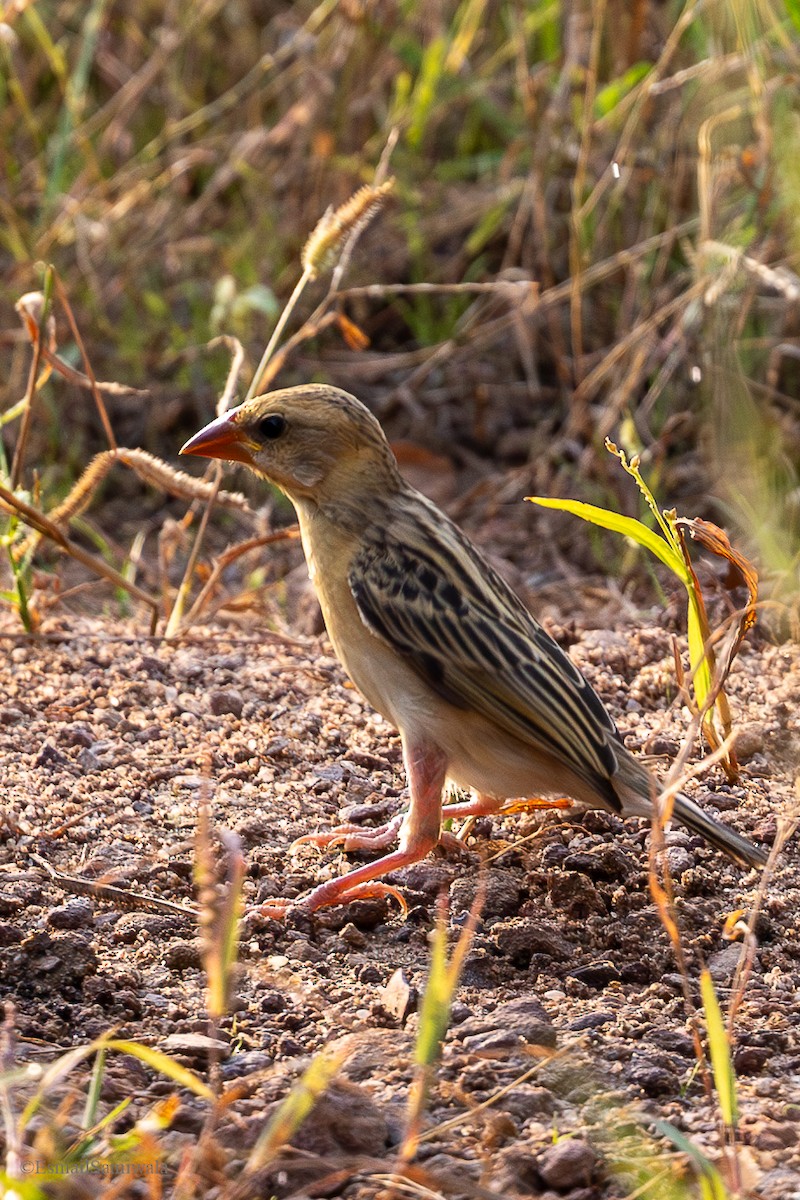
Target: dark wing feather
(424,589)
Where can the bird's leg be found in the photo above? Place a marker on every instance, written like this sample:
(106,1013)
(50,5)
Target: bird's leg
(482,806)
(426,767)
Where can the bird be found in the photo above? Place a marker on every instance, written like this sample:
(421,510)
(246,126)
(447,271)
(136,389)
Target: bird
(484,700)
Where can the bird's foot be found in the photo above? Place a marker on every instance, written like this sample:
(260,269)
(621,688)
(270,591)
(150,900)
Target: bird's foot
(353,837)
(335,891)
(482,806)
(533,803)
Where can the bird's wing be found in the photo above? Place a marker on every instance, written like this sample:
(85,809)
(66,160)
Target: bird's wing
(427,592)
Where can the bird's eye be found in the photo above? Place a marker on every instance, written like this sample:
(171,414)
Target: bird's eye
(272,427)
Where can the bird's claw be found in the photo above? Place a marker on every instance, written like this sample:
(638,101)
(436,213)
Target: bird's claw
(353,837)
(326,895)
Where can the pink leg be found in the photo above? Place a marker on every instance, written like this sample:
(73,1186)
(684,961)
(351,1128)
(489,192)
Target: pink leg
(426,767)
(480,806)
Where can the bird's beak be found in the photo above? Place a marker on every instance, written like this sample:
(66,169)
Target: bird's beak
(222,438)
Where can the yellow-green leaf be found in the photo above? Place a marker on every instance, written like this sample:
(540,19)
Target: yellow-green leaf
(164,1065)
(720,1051)
(627,526)
(698,661)
(294,1109)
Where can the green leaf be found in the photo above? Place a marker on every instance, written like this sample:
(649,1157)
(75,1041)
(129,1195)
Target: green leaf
(294,1109)
(698,660)
(627,526)
(435,1008)
(710,1178)
(164,1065)
(720,1050)
(613,93)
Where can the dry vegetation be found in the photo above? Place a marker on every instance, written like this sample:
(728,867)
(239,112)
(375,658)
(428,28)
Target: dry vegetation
(593,231)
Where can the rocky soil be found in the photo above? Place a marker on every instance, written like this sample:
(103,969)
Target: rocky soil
(109,743)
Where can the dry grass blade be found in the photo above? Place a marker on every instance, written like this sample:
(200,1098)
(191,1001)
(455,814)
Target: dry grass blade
(176,615)
(149,469)
(163,1063)
(220,912)
(434,1014)
(47,528)
(336,227)
(787,827)
(229,556)
(33,309)
(76,333)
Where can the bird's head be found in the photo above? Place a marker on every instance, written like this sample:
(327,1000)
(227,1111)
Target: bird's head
(317,443)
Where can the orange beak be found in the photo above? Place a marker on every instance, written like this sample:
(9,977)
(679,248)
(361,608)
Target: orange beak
(222,438)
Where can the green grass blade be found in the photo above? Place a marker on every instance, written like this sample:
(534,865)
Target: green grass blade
(720,1051)
(698,660)
(164,1065)
(292,1111)
(711,1182)
(627,526)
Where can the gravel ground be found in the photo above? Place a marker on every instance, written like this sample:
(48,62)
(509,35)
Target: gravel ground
(110,740)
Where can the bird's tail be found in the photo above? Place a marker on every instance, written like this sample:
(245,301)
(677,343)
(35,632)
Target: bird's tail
(728,840)
(634,787)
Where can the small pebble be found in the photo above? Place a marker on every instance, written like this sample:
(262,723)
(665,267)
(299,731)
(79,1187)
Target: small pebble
(75,914)
(566,1165)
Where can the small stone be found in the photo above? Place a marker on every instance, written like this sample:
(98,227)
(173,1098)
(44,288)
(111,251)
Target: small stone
(597,974)
(9,905)
(305,952)
(529,1100)
(723,963)
(524,1018)
(75,914)
(226,700)
(78,735)
(566,1165)
(521,938)
(608,862)
(654,1080)
(185,956)
(492,1042)
(748,1060)
(679,860)
(10,935)
(749,740)
(369,974)
(501,893)
(574,893)
(246,1063)
(673,1040)
(353,936)
(592,1020)
(272,1002)
(88,761)
(195,1045)
(49,755)
(398,997)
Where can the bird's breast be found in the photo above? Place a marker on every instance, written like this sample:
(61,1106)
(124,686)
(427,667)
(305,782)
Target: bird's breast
(384,679)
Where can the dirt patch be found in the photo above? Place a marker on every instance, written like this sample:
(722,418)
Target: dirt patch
(109,739)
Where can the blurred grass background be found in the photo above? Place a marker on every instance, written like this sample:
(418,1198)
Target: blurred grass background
(637,160)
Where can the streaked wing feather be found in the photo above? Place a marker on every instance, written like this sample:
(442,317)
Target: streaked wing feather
(426,591)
